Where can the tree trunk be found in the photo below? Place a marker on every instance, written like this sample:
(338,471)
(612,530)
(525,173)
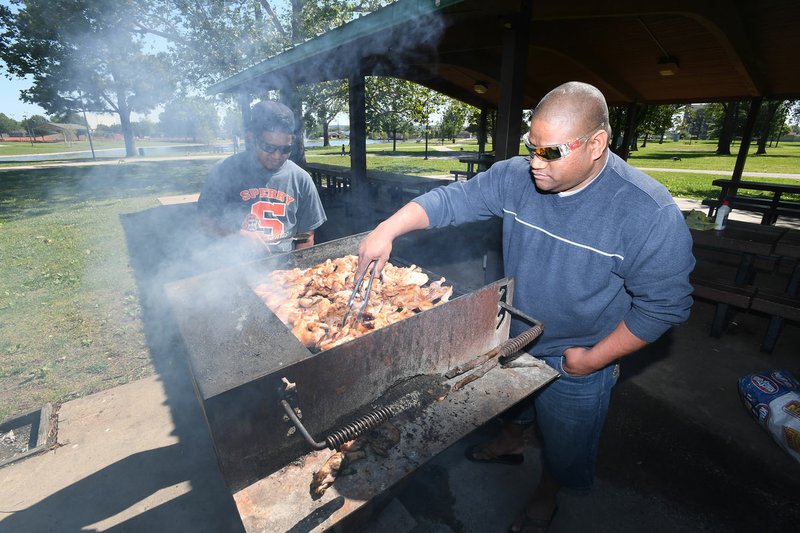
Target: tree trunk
(728,127)
(634,142)
(772,107)
(644,142)
(326,140)
(394,140)
(125,123)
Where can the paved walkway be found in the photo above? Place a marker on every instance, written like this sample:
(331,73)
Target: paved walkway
(723,172)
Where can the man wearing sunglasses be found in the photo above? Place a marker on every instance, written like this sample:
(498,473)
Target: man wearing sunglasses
(259,194)
(600,254)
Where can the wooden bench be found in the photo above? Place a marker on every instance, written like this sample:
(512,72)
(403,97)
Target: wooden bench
(400,188)
(458,174)
(780,307)
(770,208)
(328,178)
(724,295)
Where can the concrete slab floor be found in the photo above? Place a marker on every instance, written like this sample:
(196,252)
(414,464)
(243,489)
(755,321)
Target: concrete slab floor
(679,451)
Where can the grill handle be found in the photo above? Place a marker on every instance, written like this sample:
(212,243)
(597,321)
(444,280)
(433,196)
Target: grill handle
(347,433)
(503,352)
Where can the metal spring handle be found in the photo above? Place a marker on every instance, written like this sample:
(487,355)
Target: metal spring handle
(354,429)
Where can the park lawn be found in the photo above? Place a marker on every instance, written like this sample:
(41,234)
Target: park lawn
(69,309)
(26,148)
(699,155)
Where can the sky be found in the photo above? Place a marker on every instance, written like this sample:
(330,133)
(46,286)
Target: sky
(12,105)
(10,102)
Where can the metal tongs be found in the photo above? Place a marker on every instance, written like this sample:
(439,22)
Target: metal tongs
(297,237)
(359,281)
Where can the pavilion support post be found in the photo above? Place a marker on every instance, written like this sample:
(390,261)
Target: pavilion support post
(747,138)
(291,98)
(627,137)
(512,82)
(482,129)
(244,106)
(358,128)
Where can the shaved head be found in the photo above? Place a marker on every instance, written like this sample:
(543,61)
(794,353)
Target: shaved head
(576,107)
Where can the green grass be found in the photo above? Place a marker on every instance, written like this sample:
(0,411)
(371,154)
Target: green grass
(69,309)
(70,321)
(26,148)
(699,155)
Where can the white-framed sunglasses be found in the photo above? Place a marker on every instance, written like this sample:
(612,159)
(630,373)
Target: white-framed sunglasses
(556,151)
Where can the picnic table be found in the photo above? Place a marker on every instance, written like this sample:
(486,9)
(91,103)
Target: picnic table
(475,163)
(770,208)
(750,242)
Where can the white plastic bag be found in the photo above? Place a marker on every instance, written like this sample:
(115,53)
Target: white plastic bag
(773,398)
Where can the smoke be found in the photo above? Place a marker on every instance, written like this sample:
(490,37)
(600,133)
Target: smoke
(130,248)
(399,41)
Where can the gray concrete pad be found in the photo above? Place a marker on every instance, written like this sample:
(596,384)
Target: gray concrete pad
(119,465)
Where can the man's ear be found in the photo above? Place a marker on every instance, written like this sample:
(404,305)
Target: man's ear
(598,143)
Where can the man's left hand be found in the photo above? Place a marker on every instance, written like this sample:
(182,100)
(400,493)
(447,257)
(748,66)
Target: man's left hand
(578,361)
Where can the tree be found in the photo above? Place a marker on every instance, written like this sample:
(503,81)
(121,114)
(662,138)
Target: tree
(655,120)
(617,117)
(190,118)
(214,39)
(145,128)
(395,105)
(85,55)
(232,123)
(474,118)
(36,125)
(453,118)
(8,125)
(211,39)
(696,122)
(772,117)
(323,102)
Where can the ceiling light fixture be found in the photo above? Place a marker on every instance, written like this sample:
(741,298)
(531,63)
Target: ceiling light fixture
(480,87)
(667,64)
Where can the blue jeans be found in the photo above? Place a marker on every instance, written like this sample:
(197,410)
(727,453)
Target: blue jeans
(569,412)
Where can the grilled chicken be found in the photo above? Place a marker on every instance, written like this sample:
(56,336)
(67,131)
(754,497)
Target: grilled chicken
(336,464)
(312,301)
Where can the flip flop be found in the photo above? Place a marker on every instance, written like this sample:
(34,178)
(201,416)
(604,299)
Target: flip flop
(539,523)
(489,457)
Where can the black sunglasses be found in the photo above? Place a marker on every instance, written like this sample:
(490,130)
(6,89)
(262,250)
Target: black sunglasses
(272,148)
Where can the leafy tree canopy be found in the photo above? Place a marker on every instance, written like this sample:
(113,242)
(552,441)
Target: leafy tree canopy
(8,125)
(84,54)
(190,118)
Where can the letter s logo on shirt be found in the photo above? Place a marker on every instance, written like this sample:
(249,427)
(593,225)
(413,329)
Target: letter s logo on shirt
(266,213)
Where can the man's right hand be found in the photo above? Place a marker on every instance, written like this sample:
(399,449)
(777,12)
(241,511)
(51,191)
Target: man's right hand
(377,246)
